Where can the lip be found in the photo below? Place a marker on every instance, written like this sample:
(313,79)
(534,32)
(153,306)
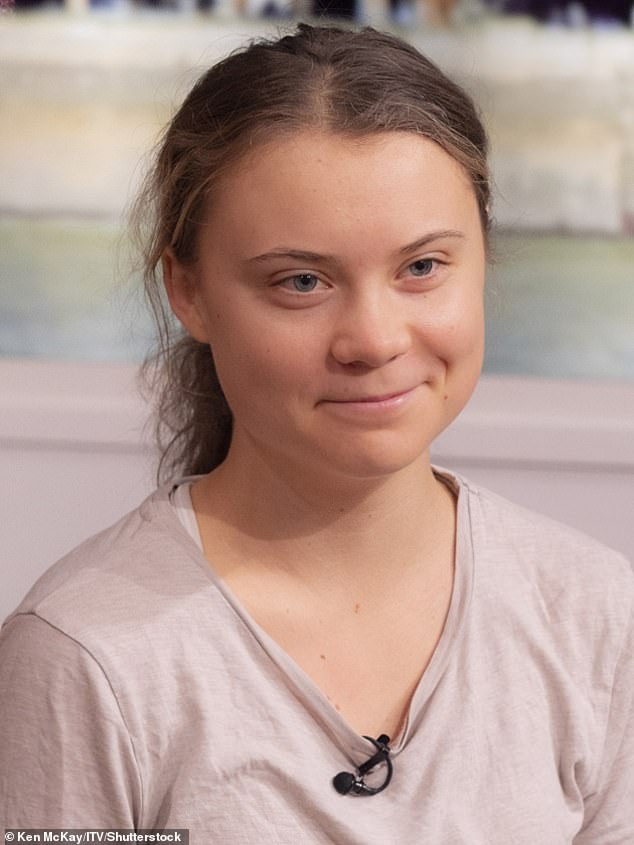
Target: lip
(384,401)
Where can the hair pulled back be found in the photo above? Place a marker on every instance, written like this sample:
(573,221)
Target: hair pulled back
(350,82)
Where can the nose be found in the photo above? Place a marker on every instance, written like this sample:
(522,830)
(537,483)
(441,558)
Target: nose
(372,329)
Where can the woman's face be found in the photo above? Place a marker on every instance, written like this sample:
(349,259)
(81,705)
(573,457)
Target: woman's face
(339,283)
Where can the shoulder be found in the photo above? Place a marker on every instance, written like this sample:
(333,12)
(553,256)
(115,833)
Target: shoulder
(528,538)
(133,617)
(122,580)
(60,720)
(548,581)
(550,629)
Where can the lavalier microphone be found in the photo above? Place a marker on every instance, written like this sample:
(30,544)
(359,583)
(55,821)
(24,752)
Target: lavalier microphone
(346,782)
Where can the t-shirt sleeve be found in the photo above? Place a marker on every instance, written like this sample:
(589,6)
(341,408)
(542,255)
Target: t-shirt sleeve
(66,758)
(609,810)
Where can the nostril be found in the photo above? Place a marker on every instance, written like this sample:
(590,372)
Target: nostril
(372,352)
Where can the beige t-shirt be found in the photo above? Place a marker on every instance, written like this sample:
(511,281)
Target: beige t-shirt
(135,691)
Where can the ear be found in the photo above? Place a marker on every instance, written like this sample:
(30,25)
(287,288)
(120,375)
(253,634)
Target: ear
(182,293)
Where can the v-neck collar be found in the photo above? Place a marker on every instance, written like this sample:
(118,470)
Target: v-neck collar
(300,684)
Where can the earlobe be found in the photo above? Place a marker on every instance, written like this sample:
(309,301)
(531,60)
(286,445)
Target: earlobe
(181,290)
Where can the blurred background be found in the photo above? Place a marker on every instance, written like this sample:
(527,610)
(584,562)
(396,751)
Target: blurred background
(85,87)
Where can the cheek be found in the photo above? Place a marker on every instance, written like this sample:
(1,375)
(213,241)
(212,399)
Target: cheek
(257,364)
(456,330)
(460,347)
(464,359)
(468,336)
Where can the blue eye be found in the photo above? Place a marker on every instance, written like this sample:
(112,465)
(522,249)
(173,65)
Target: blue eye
(422,267)
(304,283)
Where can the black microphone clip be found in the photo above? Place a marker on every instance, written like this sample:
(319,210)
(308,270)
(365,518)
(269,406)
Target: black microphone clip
(346,782)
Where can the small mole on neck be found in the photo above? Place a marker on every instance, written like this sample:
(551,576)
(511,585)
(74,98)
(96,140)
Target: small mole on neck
(356,607)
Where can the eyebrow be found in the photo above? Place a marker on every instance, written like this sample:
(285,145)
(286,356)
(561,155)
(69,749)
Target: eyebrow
(312,257)
(429,237)
(297,254)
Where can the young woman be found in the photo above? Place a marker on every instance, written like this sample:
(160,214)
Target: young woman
(308,633)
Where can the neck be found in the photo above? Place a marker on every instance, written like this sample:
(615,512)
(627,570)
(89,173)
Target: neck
(326,529)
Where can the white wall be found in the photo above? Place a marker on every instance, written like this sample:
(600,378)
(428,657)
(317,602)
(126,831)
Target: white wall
(73,457)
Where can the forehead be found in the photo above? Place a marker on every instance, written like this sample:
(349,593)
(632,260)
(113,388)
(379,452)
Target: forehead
(309,152)
(336,184)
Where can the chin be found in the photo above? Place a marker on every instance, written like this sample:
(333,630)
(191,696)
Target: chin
(375,460)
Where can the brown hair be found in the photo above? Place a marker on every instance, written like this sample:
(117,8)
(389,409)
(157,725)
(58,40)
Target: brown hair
(348,82)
